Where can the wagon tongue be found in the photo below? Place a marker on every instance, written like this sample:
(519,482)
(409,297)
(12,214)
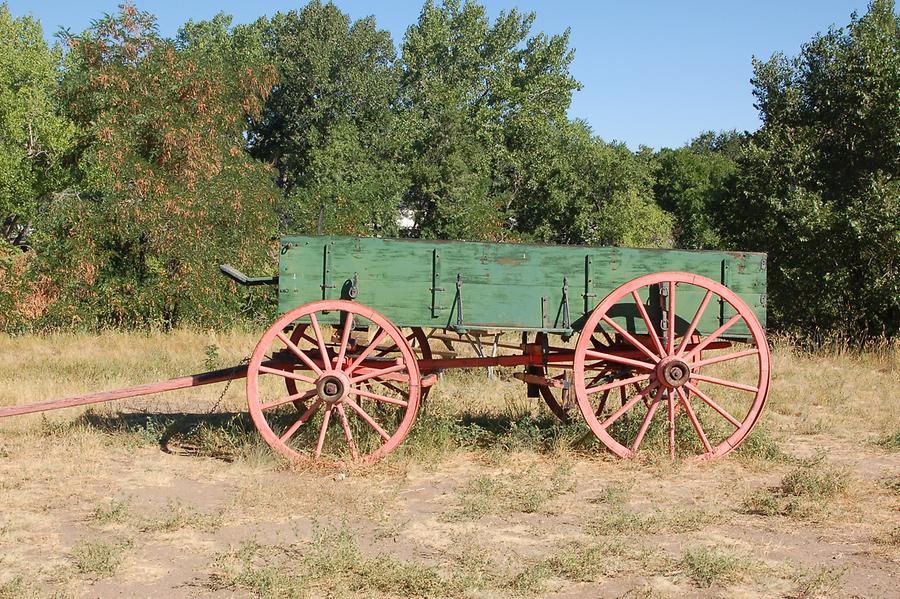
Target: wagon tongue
(194,380)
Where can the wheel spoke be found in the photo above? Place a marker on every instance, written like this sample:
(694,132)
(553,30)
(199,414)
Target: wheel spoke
(618,413)
(320,339)
(376,396)
(694,322)
(670,400)
(302,396)
(299,353)
(693,418)
(308,338)
(300,421)
(602,403)
(379,337)
(720,410)
(651,330)
(345,337)
(647,419)
(617,383)
(628,337)
(726,357)
(597,378)
(618,359)
(326,417)
(390,386)
(287,375)
(412,345)
(724,383)
(368,419)
(347,434)
(596,342)
(376,373)
(670,344)
(715,335)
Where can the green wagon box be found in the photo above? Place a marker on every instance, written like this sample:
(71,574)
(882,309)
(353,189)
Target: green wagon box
(463,286)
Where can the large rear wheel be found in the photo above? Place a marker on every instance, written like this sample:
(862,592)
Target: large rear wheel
(694,387)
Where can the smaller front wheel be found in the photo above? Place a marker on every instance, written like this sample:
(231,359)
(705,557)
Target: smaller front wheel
(359,403)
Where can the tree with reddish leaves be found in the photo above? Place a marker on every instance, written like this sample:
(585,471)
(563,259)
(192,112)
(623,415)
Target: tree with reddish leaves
(166,189)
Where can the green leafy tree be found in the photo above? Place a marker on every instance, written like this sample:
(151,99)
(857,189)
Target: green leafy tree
(818,184)
(476,99)
(579,189)
(34,139)
(33,136)
(328,125)
(693,183)
(166,189)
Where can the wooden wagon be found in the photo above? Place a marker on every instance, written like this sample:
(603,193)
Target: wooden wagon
(658,348)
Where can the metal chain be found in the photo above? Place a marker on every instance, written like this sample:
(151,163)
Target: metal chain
(216,405)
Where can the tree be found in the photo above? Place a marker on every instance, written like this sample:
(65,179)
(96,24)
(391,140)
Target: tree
(693,183)
(476,99)
(166,189)
(818,188)
(328,125)
(580,189)
(33,136)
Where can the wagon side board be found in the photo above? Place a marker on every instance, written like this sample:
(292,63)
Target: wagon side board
(470,286)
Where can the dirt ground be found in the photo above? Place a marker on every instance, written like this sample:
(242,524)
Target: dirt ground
(174,495)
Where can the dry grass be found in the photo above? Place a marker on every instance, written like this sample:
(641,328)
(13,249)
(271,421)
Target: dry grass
(488,497)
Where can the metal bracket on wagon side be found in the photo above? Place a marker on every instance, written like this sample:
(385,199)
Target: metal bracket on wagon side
(458,302)
(436,288)
(566,317)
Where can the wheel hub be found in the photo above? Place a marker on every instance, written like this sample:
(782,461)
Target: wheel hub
(673,372)
(332,387)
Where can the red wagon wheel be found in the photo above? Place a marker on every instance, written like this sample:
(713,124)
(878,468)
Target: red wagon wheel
(417,339)
(705,415)
(331,379)
(561,398)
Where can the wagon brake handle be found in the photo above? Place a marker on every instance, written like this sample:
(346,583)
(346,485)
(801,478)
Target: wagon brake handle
(242,279)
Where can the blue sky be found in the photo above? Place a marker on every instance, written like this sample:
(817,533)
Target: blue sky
(654,72)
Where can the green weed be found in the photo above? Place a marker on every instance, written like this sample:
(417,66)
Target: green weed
(890,441)
(706,566)
(611,496)
(891,483)
(760,445)
(804,492)
(817,583)
(526,491)
(177,516)
(619,521)
(211,353)
(331,565)
(586,561)
(114,512)
(98,558)
(17,588)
